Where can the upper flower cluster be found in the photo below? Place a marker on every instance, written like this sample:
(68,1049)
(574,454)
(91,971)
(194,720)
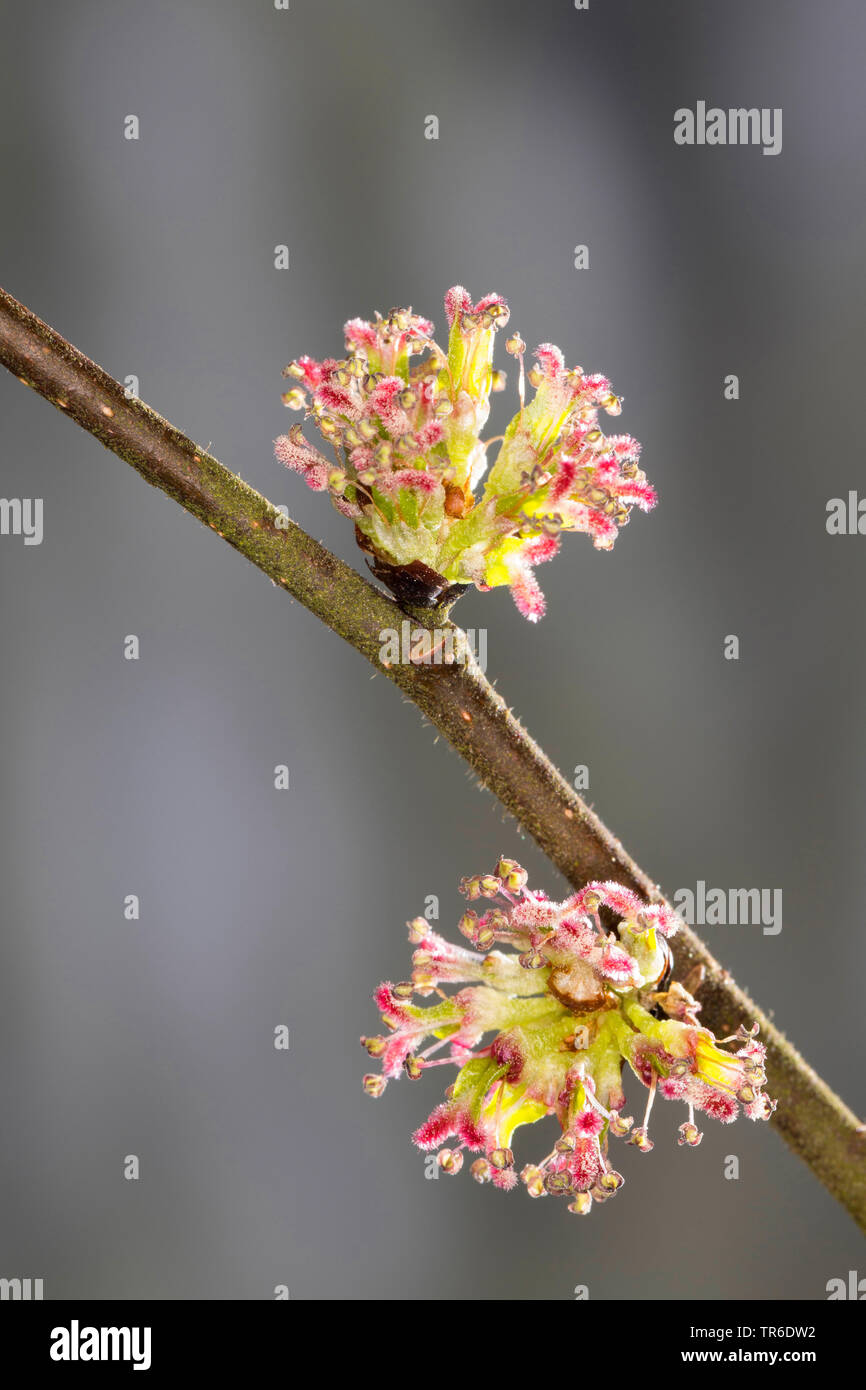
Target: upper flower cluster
(408,452)
(567,1007)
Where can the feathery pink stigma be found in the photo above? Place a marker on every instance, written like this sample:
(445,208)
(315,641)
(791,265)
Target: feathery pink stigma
(303,459)
(526,592)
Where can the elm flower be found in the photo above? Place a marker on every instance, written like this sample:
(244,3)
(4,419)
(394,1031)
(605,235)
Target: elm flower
(568,1005)
(404,458)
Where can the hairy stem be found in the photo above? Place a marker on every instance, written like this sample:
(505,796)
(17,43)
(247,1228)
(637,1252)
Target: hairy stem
(456,698)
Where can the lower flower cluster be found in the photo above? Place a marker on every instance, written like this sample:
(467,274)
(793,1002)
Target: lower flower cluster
(568,1005)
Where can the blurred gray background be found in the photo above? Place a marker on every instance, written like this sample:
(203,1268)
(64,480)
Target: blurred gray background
(155,777)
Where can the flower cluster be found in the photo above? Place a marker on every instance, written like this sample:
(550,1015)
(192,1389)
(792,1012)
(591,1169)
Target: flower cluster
(568,1006)
(408,454)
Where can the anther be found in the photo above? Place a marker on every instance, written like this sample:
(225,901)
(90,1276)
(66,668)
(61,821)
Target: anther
(558,1184)
(468,924)
(533,1179)
(511,874)
(418,929)
(641,1140)
(450,1160)
(533,960)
